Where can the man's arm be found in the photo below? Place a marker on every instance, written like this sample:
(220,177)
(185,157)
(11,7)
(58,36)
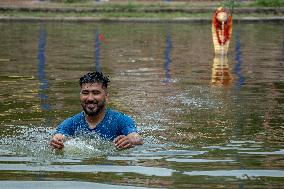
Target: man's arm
(131,140)
(66,128)
(57,141)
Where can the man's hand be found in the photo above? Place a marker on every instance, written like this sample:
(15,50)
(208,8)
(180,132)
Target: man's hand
(57,141)
(124,142)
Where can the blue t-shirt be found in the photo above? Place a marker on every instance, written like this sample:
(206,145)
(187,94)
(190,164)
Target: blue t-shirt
(113,124)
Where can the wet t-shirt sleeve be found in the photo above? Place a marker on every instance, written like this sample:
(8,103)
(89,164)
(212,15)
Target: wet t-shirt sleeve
(66,127)
(127,125)
(69,126)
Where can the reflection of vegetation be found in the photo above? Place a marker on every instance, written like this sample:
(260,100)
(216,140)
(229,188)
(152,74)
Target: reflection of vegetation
(104,14)
(130,9)
(114,15)
(69,1)
(231,4)
(130,6)
(270,3)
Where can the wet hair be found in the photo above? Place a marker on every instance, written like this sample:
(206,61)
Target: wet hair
(94,77)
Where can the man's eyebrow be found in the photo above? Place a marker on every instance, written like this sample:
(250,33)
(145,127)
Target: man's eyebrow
(90,90)
(85,90)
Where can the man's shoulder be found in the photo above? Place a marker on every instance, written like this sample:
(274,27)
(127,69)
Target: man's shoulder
(76,117)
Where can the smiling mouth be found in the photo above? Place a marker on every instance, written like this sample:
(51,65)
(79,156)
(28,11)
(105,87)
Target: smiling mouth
(91,106)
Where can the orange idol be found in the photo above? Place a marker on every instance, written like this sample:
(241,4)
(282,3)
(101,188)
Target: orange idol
(221,30)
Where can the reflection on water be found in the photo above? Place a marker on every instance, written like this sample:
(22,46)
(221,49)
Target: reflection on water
(242,174)
(168,58)
(98,38)
(195,135)
(221,71)
(41,69)
(147,171)
(238,65)
(281,62)
(60,184)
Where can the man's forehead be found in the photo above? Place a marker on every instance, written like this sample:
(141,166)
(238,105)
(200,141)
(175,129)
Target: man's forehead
(88,85)
(96,85)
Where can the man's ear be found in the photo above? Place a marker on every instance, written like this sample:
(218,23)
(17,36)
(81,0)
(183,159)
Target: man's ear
(107,96)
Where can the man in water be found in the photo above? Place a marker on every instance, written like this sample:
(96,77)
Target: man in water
(96,117)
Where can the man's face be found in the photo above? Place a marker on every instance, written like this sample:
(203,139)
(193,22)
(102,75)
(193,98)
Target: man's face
(93,98)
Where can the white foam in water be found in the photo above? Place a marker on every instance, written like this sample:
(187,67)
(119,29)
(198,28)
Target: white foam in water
(76,144)
(84,146)
(5,152)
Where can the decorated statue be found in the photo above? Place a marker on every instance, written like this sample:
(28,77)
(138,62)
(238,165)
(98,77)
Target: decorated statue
(221,33)
(221,30)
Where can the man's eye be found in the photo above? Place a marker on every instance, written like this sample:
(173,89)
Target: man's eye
(84,92)
(96,92)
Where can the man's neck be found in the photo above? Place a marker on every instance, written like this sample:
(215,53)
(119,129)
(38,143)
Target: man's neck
(94,120)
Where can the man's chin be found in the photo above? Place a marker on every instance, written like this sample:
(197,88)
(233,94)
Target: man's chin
(91,113)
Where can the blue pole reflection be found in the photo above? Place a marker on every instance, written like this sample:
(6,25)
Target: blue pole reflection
(281,62)
(41,70)
(97,50)
(238,65)
(239,83)
(168,58)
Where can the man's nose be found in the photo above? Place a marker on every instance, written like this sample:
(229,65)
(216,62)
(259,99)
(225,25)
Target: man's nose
(91,97)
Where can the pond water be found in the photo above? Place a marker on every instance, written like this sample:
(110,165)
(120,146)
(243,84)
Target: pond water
(204,126)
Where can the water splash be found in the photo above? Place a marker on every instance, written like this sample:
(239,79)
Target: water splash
(27,141)
(32,142)
(88,145)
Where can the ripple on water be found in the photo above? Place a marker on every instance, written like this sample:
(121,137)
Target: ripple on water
(182,160)
(148,171)
(278,152)
(60,184)
(242,174)
(238,146)
(153,149)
